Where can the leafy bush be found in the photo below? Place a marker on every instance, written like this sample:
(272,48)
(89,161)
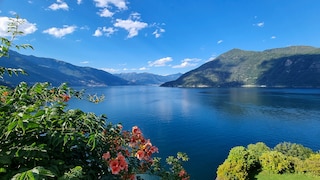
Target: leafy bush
(256,150)
(294,150)
(237,165)
(275,162)
(311,165)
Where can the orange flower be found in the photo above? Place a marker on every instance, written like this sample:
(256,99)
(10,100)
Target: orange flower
(65,97)
(140,155)
(6,93)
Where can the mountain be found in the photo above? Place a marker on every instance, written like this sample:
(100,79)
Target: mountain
(56,72)
(147,78)
(295,66)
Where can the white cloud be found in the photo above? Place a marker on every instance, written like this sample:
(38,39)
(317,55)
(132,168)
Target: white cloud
(160,62)
(84,62)
(59,5)
(220,41)
(79,1)
(260,24)
(104,31)
(143,69)
(273,37)
(25,26)
(110,70)
(105,13)
(60,32)
(120,4)
(98,33)
(133,27)
(157,33)
(188,62)
(108,31)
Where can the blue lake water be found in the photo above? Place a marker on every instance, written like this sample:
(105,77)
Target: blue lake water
(207,123)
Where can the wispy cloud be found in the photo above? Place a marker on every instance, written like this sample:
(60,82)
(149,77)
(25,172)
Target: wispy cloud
(259,24)
(220,41)
(59,5)
(157,33)
(273,37)
(79,1)
(160,62)
(26,27)
(188,62)
(60,32)
(133,25)
(110,70)
(84,62)
(143,69)
(104,31)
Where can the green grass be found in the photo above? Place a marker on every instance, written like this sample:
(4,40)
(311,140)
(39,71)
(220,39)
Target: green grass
(268,176)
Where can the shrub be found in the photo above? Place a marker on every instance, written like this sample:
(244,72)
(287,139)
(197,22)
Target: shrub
(275,162)
(311,165)
(294,150)
(237,165)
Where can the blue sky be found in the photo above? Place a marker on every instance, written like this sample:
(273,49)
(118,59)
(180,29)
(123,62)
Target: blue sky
(159,36)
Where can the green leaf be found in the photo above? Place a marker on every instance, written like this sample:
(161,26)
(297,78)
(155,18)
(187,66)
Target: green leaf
(12,125)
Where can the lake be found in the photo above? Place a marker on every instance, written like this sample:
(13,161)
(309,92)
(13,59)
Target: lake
(207,123)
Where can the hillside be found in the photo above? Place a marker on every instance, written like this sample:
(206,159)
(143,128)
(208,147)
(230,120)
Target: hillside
(56,72)
(296,66)
(147,78)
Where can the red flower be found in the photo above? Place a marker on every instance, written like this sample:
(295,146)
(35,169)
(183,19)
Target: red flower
(140,155)
(65,97)
(182,173)
(106,156)
(114,165)
(136,130)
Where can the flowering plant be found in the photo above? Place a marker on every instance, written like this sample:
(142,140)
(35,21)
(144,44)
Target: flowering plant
(129,153)
(41,139)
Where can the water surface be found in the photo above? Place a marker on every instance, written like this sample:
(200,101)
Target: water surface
(207,123)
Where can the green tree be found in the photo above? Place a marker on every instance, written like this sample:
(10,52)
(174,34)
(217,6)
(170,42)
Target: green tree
(6,44)
(310,165)
(294,150)
(237,166)
(275,162)
(256,150)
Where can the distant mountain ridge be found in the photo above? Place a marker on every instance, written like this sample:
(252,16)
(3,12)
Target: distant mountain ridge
(56,72)
(147,78)
(295,66)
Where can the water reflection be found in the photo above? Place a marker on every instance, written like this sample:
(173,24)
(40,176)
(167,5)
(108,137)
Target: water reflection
(268,102)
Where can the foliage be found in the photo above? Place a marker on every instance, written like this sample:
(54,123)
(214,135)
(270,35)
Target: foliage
(6,44)
(294,150)
(275,162)
(243,163)
(311,165)
(237,165)
(256,150)
(176,170)
(42,139)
